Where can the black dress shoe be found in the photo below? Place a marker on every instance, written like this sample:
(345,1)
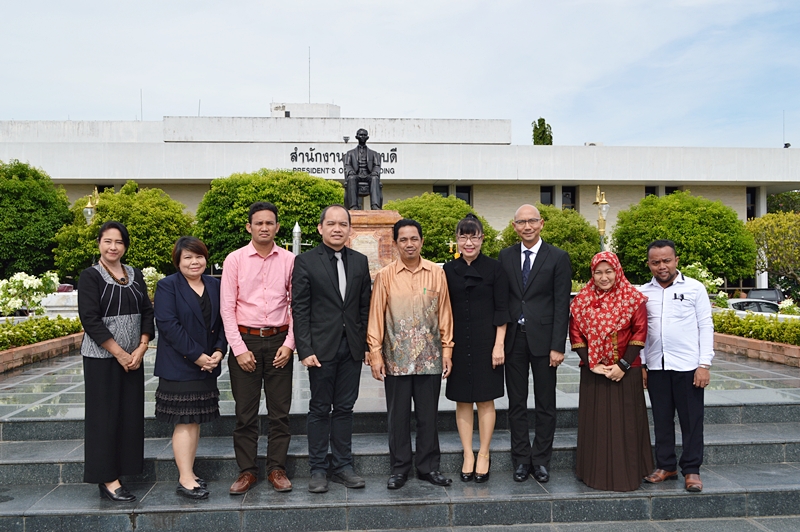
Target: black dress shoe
(202,482)
(435,478)
(540,473)
(522,472)
(481,478)
(396,482)
(119,495)
(195,493)
(467,477)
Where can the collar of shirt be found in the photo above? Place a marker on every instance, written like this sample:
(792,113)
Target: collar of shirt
(423,265)
(251,250)
(535,249)
(679,278)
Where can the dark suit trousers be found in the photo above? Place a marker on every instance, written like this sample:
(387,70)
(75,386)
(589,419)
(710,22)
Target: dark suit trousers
(334,385)
(352,200)
(544,393)
(670,391)
(246,388)
(424,389)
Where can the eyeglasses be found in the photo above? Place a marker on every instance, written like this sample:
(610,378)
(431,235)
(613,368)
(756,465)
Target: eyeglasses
(523,223)
(474,238)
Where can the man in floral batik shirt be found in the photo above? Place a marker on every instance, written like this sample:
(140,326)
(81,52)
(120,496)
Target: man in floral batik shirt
(410,338)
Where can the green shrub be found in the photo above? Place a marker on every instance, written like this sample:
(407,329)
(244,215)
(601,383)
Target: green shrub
(758,326)
(36,330)
(222,214)
(704,231)
(32,209)
(438,217)
(566,229)
(154,220)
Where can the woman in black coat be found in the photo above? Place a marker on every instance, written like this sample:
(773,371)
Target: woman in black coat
(117,320)
(191,345)
(478,290)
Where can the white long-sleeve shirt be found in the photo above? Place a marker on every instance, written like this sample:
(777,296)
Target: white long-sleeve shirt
(680,332)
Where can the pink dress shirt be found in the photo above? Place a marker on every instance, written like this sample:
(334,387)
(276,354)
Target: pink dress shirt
(256,292)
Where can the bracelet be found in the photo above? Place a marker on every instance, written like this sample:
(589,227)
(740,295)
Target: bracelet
(704,366)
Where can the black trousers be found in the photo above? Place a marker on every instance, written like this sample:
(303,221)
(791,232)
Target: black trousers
(544,393)
(246,388)
(672,391)
(424,389)
(334,390)
(114,426)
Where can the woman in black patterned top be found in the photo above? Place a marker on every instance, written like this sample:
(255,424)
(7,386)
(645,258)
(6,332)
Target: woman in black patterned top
(117,319)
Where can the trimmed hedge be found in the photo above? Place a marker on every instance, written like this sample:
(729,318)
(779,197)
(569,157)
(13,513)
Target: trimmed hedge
(36,330)
(759,327)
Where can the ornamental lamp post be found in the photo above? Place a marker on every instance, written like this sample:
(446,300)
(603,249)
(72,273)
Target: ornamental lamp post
(89,210)
(602,211)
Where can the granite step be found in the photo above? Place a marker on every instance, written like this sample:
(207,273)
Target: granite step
(755,491)
(61,461)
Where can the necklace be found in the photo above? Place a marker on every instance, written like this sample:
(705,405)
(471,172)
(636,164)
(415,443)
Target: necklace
(122,281)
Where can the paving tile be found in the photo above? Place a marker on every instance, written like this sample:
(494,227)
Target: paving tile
(406,515)
(750,476)
(779,524)
(16,499)
(773,502)
(188,521)
(77,499)
(501,512)
(709,525)
(296,519)
(637,526)
(78,522)
(37,451)
(597,509)
(497,488)
(161,497)
(699,506)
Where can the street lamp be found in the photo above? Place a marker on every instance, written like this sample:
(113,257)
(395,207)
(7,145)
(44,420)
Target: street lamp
(89,210)
(602,211)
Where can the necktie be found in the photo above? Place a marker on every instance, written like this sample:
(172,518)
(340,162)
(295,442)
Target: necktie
(526,267)
(340,271)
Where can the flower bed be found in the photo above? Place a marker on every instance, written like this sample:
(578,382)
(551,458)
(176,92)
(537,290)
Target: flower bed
(36,330)
(758,327)
(759,349)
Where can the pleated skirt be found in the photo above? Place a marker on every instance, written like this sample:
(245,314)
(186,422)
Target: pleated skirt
(614,452)
(187,402)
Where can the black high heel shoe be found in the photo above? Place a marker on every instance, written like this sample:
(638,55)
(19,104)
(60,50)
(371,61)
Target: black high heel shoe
(480,478)
(467,477)
(119,495)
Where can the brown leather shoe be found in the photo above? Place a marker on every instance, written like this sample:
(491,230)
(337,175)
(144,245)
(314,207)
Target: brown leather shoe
(245,481)
(693,482)
(279,481)
(660,475)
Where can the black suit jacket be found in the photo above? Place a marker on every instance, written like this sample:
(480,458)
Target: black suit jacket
(318,312)
(182,332)
(544,301)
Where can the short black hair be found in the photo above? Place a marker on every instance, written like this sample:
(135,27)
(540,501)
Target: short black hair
(262,206)
(126,238)
(469,225)
(188,243)
(662,244)
(405,222)
(325,211)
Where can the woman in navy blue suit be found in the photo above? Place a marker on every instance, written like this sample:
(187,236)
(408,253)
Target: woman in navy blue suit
(191,345)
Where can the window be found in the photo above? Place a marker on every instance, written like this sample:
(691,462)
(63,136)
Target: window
(464,193)
(103,188)
(546,196)
(568,198)
(287,114)
(751,202)
(650,191)
(670,190)
(442,190)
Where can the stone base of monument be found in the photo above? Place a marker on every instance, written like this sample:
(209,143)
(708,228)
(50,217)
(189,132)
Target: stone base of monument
(371,234)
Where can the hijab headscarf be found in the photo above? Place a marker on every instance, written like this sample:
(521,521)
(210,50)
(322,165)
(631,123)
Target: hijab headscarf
(600,313)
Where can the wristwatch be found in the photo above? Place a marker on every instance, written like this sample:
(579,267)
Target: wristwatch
(622,363)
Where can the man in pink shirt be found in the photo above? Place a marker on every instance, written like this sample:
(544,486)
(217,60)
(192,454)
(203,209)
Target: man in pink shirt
(255,296)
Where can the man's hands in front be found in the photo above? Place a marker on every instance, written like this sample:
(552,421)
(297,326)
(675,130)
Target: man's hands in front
(311,362)
(556,359)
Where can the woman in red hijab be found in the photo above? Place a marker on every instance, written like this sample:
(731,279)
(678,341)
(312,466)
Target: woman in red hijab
(608,328)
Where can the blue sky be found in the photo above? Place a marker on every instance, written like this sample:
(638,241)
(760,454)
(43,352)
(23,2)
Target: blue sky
(623,72)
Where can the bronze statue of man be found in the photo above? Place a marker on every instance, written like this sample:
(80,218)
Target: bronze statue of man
(362,165)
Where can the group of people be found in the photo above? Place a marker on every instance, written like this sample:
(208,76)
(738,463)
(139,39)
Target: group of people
(484,325)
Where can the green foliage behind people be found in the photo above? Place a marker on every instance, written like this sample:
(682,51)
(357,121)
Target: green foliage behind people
(568,230)
(704,231)
(222,214)
(777,237)
(154,220)
(542,133)
(32,209)
(438,217)
(784,201)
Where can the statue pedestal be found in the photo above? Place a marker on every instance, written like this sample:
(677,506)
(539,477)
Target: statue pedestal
(371,234)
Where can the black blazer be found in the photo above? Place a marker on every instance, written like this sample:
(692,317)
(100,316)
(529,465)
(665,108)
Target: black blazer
(182,332)
(544,301)
(318,312)
(351,164)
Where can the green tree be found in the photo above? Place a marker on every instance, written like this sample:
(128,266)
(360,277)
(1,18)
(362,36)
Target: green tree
(32,209)
(777,236)
(704,231)
(222,214)
(542,133)
(438,217)
(568,230)
(784,201)
(154,220)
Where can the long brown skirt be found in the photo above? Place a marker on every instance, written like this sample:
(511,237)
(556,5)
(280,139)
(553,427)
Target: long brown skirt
(614,452)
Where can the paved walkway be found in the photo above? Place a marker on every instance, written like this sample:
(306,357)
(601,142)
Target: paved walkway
(54,389)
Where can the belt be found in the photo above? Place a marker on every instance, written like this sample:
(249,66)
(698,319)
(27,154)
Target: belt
(521,327)
(263,332)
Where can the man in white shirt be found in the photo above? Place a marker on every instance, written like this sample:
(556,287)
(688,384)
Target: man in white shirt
(677,355)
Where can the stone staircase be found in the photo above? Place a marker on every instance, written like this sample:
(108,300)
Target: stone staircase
(751,469)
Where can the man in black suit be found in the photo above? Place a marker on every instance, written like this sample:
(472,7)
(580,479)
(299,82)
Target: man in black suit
(539,287)
(330,306)
(362,164)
